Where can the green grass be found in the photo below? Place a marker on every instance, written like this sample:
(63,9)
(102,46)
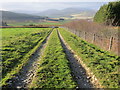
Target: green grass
(54,71)
(50,23)
(21,23)
(18,44)
(38,23)
(33,23)
(101,63)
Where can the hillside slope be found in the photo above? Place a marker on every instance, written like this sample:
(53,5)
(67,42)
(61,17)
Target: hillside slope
(68,12)
(11,16)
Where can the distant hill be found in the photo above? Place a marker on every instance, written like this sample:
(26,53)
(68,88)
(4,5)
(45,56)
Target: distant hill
(8,16)
(68,12)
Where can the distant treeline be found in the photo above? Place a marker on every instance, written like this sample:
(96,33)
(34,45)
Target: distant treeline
(109,14)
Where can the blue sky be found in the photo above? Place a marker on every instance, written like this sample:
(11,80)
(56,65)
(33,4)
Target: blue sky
(33,6)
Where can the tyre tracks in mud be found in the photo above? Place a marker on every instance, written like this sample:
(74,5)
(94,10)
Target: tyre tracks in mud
(29,70)
(81,74)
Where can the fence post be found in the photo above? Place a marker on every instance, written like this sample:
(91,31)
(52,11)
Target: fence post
(111,42)
(85,36)
(75,31)
(93,38)
(101,41)
(79,33)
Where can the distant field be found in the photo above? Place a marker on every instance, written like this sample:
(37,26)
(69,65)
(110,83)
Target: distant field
(39,23)
(51,23)
(20,24)
(43,23)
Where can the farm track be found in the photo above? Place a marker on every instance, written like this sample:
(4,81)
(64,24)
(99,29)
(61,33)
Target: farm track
(79,73)
(29,70)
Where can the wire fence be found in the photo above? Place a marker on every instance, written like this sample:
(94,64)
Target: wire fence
(110,43)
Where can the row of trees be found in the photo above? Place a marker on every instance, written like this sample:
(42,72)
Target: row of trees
(109,14)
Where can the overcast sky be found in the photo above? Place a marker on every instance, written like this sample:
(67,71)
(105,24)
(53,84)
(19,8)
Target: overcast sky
(41,5)
(56,0)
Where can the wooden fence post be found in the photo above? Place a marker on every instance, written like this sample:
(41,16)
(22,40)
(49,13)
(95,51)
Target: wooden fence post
(93,38)
(85,36)
(79,33)
(111,43)
(102,41)
(75,31)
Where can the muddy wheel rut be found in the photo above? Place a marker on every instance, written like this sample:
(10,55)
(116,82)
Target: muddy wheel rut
(80,74)
(29,70)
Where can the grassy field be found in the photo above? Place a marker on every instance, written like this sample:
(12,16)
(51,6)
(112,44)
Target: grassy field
(42,23)
(102,63)
(18,44)
(39,23)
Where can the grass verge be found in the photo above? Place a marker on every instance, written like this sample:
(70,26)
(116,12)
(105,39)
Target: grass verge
(101,63)
(54,71)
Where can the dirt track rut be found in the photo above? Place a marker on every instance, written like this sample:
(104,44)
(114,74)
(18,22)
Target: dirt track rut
(79,73)
(28,71)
